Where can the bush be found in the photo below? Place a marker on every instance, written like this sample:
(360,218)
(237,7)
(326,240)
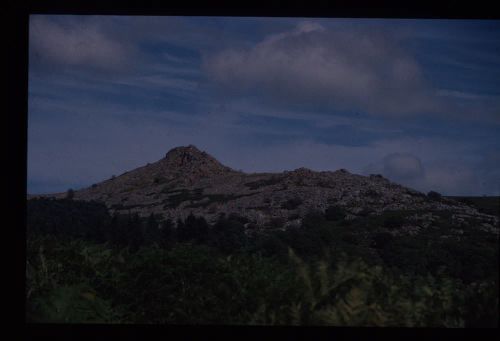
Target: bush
(351,293)
(76,303)
(365,212)
(381,240)
(238,218)
(277,222)
(334,213)
(372,193)
(84,266)
(392,220)
(313,219)
(291,204)
(434,195)
(79,281)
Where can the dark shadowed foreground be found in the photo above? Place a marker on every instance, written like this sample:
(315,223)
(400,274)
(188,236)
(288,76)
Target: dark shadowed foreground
(87,266)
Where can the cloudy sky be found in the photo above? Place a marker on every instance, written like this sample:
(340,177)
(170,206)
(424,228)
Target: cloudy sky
(415,100)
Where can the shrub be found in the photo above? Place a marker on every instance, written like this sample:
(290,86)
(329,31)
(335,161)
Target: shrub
(372,193)
(277,222)
(313,219)
(238,218)
(72,304)
(291,204)
(434,195)
(351,293)
(79,281)
(334,213)
(365,212)
(381,239)
(393,220)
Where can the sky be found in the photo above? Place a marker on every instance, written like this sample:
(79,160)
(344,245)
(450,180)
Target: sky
(417,101)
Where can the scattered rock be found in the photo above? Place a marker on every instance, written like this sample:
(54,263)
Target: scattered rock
(188,181)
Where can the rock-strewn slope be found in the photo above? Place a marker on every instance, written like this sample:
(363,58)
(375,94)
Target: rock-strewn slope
(188,181)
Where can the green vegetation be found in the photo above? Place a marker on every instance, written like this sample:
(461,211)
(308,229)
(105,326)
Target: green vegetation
(84,266)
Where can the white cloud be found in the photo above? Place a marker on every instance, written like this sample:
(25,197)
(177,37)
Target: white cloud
(355,70)
(78,43)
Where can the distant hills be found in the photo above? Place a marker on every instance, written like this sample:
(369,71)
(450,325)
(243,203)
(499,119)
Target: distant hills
(188,180)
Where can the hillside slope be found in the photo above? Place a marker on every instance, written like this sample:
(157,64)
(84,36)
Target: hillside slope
(188,180)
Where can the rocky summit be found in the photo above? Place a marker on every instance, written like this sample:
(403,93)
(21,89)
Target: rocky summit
(188,180)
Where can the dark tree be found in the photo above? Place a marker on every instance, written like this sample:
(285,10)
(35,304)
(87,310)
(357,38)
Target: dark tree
(67,218)
(114,231)
(70,194)
(228,235)
(193,229)
(151,230)
(167,233)
(134,232)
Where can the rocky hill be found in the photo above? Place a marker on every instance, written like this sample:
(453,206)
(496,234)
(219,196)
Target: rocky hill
(188,180)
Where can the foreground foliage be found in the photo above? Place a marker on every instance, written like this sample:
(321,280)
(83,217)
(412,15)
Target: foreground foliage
(328,272)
